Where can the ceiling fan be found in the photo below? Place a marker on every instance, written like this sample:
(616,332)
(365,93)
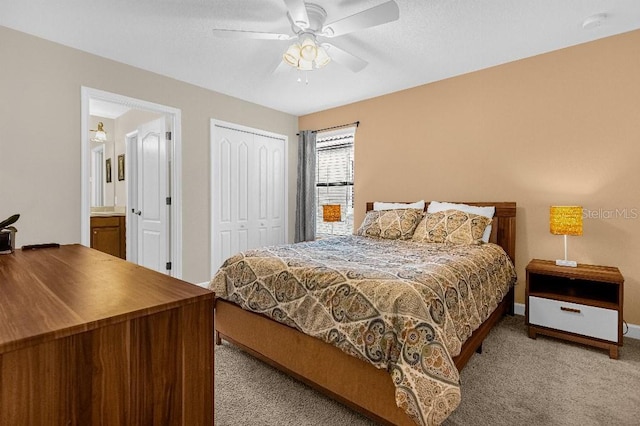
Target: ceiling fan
(308,26)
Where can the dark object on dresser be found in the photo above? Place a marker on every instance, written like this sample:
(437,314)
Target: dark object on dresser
(40,246)
(8,234)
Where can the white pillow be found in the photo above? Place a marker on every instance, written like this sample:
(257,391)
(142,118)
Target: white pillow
(378,205)
(436,206)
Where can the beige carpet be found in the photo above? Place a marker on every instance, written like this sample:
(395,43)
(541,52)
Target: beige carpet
(515,381)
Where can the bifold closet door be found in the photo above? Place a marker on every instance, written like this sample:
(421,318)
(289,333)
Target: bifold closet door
(248,192)
(270,187)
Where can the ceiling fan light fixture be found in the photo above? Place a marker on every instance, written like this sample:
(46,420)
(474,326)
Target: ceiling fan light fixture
(292,55)
(322,58)
(306,54)
(309,26)
(305,65)
(308,49)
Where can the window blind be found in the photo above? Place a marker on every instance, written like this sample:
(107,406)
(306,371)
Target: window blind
(334,180)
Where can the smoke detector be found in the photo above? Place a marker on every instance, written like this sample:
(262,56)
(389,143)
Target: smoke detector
(594,21)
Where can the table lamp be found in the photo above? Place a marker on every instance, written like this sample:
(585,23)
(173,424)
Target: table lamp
(565,220)
(331,213)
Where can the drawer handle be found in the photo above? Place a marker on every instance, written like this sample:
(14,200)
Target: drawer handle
(564,308)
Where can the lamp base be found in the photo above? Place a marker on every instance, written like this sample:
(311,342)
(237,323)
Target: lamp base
(563,262)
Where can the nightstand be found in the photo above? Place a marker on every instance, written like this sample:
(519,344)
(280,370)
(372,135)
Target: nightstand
(581,304)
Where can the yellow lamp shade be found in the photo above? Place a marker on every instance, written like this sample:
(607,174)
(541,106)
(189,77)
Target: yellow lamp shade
(565,220)
(331,213)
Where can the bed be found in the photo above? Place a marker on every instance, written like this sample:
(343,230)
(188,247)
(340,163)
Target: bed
(373,375)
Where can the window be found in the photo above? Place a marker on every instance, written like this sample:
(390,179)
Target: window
(334,180)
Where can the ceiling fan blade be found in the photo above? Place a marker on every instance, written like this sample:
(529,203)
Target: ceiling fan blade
(377,15)
(345,58)
(241,34)
(298,13)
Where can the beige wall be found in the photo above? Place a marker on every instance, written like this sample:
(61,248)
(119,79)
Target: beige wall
(40,131)
(559,128)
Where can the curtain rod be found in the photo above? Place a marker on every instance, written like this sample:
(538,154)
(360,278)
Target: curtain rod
(357,123)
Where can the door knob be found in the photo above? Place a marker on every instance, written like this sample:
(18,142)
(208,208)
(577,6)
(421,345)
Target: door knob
(138,212)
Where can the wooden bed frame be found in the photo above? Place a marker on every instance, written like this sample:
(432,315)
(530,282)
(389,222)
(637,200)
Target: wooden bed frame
(347,379)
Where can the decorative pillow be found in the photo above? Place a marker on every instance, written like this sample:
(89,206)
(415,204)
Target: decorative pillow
(451,226)
(390,224)
(489,211)
(379,205)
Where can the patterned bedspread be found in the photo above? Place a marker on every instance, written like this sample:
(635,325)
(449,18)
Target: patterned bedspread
(403,306)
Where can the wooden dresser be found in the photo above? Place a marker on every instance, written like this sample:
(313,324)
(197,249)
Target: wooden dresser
(87,338)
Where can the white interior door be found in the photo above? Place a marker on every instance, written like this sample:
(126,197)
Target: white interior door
(131,172)
(151,208)
(248,184)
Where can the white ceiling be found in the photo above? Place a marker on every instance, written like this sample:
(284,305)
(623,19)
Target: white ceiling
(432,40)
(106,109)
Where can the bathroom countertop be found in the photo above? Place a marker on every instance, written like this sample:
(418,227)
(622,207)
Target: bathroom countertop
(106,214)
(108,211)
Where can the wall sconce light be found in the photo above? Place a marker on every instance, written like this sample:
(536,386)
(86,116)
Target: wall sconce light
(565,220)
(101,135)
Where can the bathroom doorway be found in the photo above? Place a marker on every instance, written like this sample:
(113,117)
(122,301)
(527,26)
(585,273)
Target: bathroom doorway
(126,122)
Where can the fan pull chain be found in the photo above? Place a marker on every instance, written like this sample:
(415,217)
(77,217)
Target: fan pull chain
(306,77)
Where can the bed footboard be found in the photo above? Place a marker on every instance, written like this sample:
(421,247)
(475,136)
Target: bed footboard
(349,380)
(353,382)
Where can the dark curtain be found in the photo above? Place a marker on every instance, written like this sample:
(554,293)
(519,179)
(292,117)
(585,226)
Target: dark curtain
(306,187)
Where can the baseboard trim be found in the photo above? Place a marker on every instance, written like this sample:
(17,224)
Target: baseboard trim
(205,284)
(633,333)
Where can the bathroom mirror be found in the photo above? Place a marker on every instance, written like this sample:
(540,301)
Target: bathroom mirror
(97,175)
(103,157)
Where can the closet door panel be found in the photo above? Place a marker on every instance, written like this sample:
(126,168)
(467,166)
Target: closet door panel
(232,195)
(277,196)
(248,191)
(272,187)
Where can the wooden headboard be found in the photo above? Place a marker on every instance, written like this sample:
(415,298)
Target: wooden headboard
(503,231)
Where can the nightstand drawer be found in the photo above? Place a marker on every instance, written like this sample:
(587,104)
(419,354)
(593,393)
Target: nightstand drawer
(575,318)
